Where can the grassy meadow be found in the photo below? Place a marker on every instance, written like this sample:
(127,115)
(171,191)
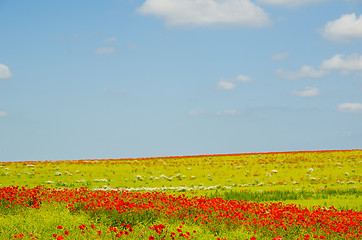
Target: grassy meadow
(288,195)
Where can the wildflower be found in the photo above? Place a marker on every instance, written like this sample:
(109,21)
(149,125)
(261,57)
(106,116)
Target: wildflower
(82,226)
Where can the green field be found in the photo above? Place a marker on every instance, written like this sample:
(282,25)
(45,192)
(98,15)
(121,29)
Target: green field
(305,179)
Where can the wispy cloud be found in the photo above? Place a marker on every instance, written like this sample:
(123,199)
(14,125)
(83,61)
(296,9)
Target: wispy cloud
(307,92)
(228,113)
(105,50)
(3,114)
(344,29)
(110,40)
(303,72)
(225,85)
(280,56)
(206,12)
(289,3)
(242,78)
(350,107)
(5,72)
(346,65)
(229,84)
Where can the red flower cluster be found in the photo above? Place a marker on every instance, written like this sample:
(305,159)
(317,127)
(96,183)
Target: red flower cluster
(265,219)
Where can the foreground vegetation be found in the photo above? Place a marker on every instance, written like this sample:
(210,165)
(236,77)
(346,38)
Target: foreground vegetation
(304,195)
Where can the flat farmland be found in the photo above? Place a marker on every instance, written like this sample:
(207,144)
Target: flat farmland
(286,195)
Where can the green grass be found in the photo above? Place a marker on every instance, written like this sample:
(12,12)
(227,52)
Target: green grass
(308,179)
(43,223)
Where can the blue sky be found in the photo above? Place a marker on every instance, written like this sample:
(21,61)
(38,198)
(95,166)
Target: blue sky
(147,78)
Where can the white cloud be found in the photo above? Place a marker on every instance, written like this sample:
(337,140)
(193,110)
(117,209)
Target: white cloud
(304,72)
(280,56)
(345,64)
(350,107)
(5,72)
(339,62)
(206,12)
(3,114)
(225,85)
(195,112)
(288,3)
(110,40)
(105,50)
(228,113)
(345,28)
(306,92)
(229,84)
(243,78)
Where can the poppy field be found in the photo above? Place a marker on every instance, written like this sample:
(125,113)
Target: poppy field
(288,195)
